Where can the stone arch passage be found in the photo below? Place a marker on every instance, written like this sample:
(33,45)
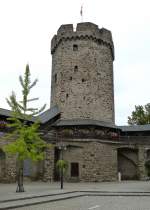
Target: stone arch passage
(2,164)
(128,163)
(147,162)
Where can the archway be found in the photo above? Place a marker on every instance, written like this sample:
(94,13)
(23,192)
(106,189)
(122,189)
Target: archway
(147,162)
(127,163)
(2,164)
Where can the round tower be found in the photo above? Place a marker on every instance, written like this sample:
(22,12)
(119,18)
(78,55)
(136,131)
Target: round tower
(82,72)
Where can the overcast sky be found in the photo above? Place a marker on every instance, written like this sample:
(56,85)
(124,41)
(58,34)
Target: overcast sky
(26,29)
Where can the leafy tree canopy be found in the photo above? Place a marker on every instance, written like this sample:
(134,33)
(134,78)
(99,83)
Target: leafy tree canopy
(140,116)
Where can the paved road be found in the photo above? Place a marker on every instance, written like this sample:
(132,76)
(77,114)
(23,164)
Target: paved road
(96,203)
(136,196)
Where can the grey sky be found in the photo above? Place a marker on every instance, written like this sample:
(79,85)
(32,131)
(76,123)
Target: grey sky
(26,29)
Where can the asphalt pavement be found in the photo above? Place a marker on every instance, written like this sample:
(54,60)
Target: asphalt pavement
(79,196)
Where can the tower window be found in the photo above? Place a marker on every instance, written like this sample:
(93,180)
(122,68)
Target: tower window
(67,95)
(83,166)
(55,78)
(70,78)
(75,47)
(83,80)
(75,68)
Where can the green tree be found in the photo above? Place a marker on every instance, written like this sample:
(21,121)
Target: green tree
(140,116)
(25,140)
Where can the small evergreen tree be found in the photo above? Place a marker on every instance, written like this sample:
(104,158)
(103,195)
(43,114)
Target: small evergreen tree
(26,142)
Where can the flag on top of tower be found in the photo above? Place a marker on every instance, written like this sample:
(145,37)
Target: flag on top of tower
(81,11)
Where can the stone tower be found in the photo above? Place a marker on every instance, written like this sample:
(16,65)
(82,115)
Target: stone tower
(82,72)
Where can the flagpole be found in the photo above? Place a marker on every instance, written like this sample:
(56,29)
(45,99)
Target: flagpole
(81,13)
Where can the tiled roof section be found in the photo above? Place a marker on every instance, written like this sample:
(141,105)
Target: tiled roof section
(135,128)
(49,114)
(44,117)
(83,122)
(54,111)
(5,112)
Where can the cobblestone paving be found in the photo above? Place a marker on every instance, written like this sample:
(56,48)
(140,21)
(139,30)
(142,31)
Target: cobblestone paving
(96,203)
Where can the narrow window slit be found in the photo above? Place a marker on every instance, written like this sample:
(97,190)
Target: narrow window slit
(55,78)
(75,47)
(75,68)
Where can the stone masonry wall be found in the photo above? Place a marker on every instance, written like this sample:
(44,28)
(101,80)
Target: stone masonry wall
(97,161)
(82,78)
(9,169)
(141,163)
(100,163)
(49,165)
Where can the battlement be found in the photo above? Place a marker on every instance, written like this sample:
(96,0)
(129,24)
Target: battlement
(87,27)
(83,30)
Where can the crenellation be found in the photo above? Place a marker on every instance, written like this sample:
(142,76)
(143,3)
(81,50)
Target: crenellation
(54,42)
(64,29)
(86,27)
(83,31)
(107,38)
